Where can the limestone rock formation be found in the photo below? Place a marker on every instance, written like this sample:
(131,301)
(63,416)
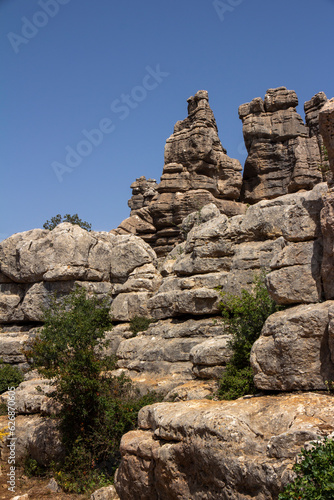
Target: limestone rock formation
(326,125)
(36,436)
(36,264)
(224,450)
(160,358)
(295,350)
(283,153)
(197,171)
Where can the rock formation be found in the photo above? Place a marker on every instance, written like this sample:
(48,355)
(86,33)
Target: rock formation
(187,240)
(227,450)
(284,154)
(197,171)
(326,125)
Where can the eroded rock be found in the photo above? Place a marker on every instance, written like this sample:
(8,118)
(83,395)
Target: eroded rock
(294,351)
(219,450)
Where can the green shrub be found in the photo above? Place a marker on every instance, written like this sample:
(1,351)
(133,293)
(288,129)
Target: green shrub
(315,474)
(32,468)
(73,219)
(10,376)
(243,317)
(97,408)
(139,324)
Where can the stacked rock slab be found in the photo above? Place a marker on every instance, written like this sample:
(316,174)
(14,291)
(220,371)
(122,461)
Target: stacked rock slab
(226,450)
(284,154)
(197,171)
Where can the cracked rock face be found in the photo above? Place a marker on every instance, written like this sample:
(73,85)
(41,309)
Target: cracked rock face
(36,264)
(326,123)
(284,154)
(227,450)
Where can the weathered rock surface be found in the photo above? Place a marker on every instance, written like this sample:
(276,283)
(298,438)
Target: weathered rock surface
(197,172)
(327,227)
(11,345)
(283,153)
(37,437)
(159,358)
(39,263)
(33,396)
(106,493)
(211,356)
(295,349)
(219,450)
(326,125)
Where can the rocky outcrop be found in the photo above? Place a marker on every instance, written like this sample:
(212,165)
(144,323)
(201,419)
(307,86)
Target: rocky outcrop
(39,263)
(197,171)
(224,450)
(283,153)
(208,244)
(36,436)
(296,349)
(326,125)
(161,358)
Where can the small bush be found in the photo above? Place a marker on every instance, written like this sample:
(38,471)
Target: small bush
(96,407)
(139,324)
(10,376)
(32,468)
(315,474)
(243,317)
(73,219)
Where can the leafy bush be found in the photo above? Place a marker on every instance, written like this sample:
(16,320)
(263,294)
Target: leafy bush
(10,376)
(243,317)
(139,324)
(315,474)
(73,219)
(97,408)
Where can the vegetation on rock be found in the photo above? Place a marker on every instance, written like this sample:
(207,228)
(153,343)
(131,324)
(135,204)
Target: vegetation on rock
(96,407)
(314,474)
(10,376)
(244,316)
(139,324)
(73,219)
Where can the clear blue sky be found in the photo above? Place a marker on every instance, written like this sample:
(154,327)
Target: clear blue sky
(60,78)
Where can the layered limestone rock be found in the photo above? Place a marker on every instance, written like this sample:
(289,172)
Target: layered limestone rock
(197,171)
(163,357)
(326,125)
(284,154)
(224,450)
(36,264)
(296,349)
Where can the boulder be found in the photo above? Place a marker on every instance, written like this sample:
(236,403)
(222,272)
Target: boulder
(33,396)
(36,436)
(224,450)
(294,351)
(106,493)
(211,356)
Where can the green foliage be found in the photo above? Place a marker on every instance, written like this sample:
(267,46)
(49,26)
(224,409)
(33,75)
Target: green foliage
(10,376)
(139,324)
(32,468)
(235,382)
(73,219)
(243,317)
(314,474)
(97,408)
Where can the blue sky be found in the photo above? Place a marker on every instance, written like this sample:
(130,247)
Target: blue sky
(126,69)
